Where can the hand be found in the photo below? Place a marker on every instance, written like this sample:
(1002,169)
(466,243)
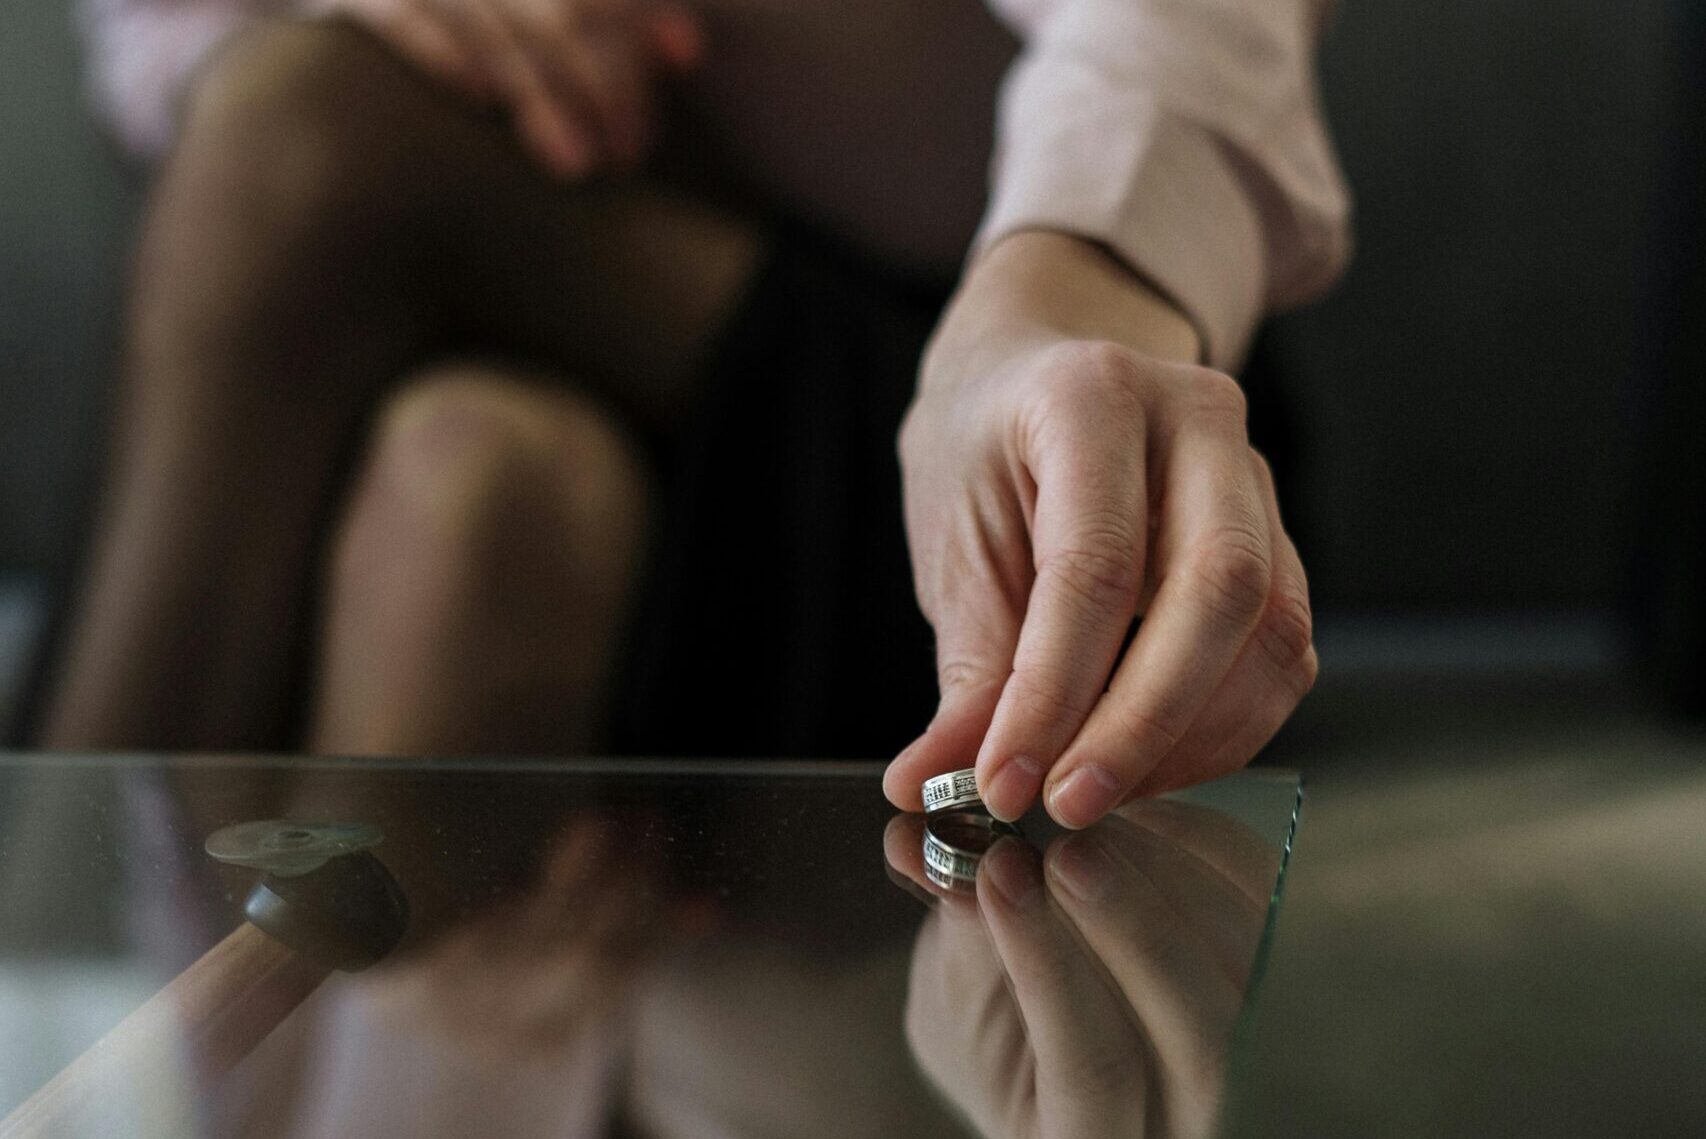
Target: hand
(576,75)
(1095,997)
(1063,474)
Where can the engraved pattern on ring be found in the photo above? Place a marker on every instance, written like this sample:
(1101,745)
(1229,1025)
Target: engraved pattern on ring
(956,789)
(947,861)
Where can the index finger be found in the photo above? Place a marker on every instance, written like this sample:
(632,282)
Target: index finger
(1088,539)
(551,130)
(1215,566)
(1155,953)
(1074,1018)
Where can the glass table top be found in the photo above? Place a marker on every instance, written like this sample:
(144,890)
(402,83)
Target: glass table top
(614,948)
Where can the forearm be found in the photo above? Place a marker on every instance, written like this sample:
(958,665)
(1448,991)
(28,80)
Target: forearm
(1036,288)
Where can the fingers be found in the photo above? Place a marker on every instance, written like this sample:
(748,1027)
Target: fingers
(421,35)
(1152,946)
(950,742)
(576,77)
(1247,860)
(1215,566)
(1090,1075)
(959,1020)
(550,124)
(974,645)
(1273,673)
(1088,542)
(1134,489)
(1220,921)
(601,55)
(598,64)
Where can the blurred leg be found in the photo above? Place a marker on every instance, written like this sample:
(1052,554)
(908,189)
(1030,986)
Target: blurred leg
(478,583)
(326,219)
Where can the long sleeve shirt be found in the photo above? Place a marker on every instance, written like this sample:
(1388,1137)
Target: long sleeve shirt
(1185,136)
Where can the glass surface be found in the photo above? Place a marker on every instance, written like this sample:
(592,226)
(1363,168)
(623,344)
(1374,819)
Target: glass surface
(618,948)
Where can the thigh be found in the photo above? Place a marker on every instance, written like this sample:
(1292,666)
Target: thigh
(624,286)
(621,283)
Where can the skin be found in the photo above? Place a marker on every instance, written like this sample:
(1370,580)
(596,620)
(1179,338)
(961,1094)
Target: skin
(1067,469)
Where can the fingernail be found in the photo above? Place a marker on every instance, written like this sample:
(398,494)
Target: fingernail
(1013,788)
(1013,873)
(1082,868)
(1084,796)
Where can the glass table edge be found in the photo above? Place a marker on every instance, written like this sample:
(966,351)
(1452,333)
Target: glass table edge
(1241,1059)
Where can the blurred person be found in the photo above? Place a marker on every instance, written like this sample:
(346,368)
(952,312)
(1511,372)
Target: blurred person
(428,295)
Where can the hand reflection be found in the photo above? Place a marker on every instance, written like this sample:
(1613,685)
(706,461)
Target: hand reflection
(1092,991)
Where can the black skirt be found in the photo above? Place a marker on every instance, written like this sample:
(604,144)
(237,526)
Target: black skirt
(778,617)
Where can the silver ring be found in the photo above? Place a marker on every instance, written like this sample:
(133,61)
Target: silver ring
(954,844)
(955,789)
(944,879)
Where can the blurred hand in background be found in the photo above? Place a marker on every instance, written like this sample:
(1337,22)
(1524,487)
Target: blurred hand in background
(576,75)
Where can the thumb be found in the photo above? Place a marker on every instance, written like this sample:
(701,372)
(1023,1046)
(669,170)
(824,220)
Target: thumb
(973,661)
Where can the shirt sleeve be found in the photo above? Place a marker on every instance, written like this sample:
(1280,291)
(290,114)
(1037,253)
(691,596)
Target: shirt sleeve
(1185,136)
(142,54)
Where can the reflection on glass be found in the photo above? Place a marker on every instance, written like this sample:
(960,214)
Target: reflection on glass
(1090,990)
(632,950)
(955,842)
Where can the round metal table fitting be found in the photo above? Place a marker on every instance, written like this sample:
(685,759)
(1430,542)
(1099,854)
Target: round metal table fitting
(348,914)
(322,892)
(286,848)
(951,791)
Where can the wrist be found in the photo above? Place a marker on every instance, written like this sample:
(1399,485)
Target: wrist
(1035,288)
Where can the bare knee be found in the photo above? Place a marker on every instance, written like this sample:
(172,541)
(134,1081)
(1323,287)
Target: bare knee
(480,486)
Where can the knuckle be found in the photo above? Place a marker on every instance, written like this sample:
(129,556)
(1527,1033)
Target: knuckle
(906,438)
(1102,572)
(1106,363)
(1107,1075)
(1308,672)
(1218,394)
(1144,732)
(960,674)
(1081,383)
(1044,695)
(1234,572)
(1286,635)
(1087,376)
(1264,470)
